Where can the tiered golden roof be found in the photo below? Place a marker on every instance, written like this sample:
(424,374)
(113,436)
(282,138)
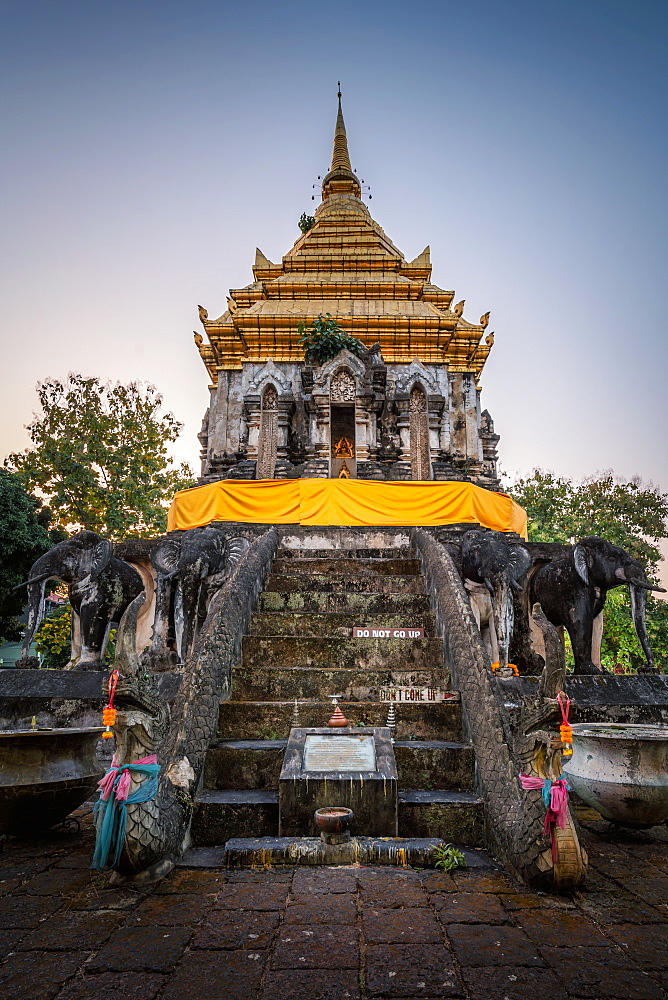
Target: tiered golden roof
(344,265)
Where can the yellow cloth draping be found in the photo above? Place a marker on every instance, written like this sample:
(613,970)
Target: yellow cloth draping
(345,502)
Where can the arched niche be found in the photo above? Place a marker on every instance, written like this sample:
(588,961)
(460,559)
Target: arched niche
(342,395)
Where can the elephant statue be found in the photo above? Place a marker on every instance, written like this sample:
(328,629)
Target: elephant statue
(100,588)
(491,561)
(572,588)
(198,561)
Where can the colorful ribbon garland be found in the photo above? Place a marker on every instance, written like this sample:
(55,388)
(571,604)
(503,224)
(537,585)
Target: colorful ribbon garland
(565,730)
(109,712)
(111,807)
(555,798)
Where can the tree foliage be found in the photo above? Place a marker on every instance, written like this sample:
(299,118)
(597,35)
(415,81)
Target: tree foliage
(323,339)
(99,454)
(620,644)
(630,513)
(53,639)
(24,537)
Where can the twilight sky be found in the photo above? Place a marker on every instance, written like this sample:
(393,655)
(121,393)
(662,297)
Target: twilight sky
(148,147)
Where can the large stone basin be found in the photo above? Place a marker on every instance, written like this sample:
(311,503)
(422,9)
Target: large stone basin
(44,775)
(621,770)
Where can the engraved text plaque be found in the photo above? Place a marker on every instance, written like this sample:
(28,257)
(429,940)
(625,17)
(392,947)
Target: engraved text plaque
(339,753)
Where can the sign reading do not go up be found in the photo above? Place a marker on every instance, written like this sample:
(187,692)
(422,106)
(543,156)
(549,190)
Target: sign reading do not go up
(365,632)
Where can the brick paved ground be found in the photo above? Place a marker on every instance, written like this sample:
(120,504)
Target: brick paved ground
(334,933)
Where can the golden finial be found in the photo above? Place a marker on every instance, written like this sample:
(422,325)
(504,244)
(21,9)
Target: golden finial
(340,179)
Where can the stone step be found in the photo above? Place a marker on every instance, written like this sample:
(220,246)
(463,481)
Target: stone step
(397,552)
(328,602)
(452,816)
(427,764)
(286,652)
(310,683)
(343,564)
(272,720)
(239,764)
(334,624)
(353,583)
(220,815)
(304,539)
(265,852)
(435,764)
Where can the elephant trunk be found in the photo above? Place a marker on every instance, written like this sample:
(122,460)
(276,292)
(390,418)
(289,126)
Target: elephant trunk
(504,618)
(36,604)
(638,603)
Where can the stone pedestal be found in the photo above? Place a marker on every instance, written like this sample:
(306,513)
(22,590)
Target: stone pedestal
(352,767)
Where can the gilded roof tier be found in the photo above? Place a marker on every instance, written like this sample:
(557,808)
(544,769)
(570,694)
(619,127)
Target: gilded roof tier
(347,266)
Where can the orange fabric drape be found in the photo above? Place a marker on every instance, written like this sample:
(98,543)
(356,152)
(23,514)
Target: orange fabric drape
(345,502)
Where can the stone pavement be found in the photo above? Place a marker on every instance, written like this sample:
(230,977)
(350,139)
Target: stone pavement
(332,933)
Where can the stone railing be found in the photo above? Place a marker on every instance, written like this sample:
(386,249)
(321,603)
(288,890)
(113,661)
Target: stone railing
(158,829)
(514,818)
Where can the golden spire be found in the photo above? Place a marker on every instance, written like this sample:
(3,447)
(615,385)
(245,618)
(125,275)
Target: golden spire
(340,157)
(340,179)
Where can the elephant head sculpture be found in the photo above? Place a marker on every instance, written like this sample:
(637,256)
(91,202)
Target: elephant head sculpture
(572,589)
(197,561)
(490,559)
(100,588)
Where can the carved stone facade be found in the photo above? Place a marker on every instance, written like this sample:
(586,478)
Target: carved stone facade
(408,407)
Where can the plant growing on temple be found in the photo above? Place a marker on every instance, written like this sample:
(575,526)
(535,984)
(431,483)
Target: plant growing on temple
(99,456)
(306,222)
(448,857)
(323,339)
(24,536)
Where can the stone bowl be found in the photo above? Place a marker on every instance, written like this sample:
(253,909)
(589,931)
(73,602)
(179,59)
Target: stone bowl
(333,823)
(621,770)
(44,775)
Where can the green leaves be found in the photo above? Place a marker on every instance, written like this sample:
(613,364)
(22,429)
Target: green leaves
(24,537)
(306,222)
(323,339)
(99,453)
(448,857)
(53,638)
(629,514)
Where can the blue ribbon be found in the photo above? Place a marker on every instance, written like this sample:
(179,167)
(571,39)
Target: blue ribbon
(547,789)
(111,815)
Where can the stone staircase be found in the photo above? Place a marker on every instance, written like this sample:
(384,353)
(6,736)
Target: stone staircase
(300,648)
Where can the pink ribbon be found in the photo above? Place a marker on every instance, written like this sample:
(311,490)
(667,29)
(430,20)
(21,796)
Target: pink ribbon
(555,797)
(122,786)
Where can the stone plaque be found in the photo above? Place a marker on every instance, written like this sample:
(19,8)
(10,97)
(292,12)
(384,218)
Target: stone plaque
(407,632)
(339,753)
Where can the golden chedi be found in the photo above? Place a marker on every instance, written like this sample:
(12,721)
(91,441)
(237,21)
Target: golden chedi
(408,407)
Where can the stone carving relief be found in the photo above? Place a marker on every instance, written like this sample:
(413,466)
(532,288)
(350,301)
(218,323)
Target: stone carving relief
(266,458)
(408,377)
(419,435)
(342,388)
